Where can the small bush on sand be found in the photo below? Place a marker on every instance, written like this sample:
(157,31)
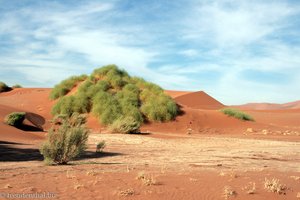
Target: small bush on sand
(232,112)
(66,140)
(228,192)
(15,119)
(100,146)
(17,86)
(126,125)
(66,86)
(273,185)
(4,87)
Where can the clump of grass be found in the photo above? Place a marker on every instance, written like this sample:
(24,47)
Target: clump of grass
(100,146)
(126,125)
(229,192)
(147,180)
(118,100)
(236,113)
(250,188)
(4,87)
(15,119)
(273,185)
(66,86)
(127,192)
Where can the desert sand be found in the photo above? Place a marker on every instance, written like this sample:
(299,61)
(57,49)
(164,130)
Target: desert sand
(220,158)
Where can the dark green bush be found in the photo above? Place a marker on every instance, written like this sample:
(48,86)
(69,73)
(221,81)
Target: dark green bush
(233,112)
(66,140)
(15,119)
(100,146)
(66,86)
(4,87)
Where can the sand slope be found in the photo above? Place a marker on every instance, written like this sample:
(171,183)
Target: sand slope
(12,134)
(198,100)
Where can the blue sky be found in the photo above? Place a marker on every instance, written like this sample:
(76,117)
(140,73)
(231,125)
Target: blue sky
(237,51)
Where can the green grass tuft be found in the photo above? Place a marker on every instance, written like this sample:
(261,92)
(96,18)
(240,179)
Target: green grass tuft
(15,119)
(236,113)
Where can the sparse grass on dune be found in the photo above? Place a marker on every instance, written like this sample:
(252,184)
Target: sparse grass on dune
(236,113)
(116,99)
(17,86)
(65,86)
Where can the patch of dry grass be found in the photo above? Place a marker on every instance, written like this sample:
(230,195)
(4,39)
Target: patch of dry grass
(147,180)
(70,175)
(273,185)
(127,192)
(91,173)
(250,188)
(296,178)
(229,192)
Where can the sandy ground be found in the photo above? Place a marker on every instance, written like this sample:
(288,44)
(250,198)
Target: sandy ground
(222,158)
(192,167)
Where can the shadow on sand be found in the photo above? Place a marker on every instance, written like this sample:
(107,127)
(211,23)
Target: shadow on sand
(17,152)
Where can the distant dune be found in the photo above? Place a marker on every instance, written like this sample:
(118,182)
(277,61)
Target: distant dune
(270,106)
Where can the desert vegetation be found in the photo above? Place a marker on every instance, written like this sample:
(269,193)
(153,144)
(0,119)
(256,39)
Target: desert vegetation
(66,140)
(4,87)
(66,86)
(17,86)
(14,119)
(236,113)
(118,100)
(273,185)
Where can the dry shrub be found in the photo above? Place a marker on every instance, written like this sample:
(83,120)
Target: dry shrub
(65,141)
(273,185)
(229,192)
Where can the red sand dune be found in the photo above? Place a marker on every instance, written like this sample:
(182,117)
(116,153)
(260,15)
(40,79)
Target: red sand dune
(174,94)
(199,100)
(178,166)
(32,100)
(270,106)
(200,113)
(9,133)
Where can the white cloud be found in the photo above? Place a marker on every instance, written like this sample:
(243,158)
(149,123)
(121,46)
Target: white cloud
(228,23)
(215,37)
